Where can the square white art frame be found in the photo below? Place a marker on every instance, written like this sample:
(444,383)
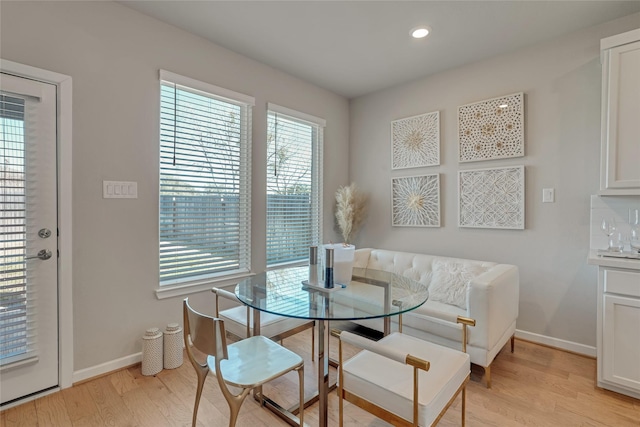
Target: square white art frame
(415,201)
(491,198)
(491,129)
(415,141)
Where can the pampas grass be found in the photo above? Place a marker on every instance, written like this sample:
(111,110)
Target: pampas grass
(350,210)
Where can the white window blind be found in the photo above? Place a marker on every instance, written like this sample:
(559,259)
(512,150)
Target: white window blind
(294,185)
(17,338)
(205,181)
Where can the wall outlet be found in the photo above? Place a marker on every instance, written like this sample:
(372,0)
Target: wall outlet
(548,195)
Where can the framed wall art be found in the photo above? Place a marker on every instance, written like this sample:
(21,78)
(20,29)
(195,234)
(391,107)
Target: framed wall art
(491,198)
(416,201)
(415,141)
(491,129)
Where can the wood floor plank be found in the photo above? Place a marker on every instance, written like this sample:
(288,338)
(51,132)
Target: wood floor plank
(104,393)
(78,402)
(123,381)
(182,383)
(91,420)
(167,403)
(145,412)
(109,402)
(535,386)
(21,416)
(51,411)
(117,415)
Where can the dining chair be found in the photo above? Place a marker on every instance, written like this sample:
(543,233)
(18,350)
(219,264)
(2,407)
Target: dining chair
(402,379)
(271,325)
(246,364)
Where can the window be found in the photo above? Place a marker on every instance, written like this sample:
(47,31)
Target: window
(16,333)
(294,185)
(205,178)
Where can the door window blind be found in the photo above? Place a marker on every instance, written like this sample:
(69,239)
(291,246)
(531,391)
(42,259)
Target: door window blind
(294,185)
(205,177)
(17,338)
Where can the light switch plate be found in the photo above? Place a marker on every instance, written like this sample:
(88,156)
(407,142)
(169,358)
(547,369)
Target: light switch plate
(119,190)
(548,195)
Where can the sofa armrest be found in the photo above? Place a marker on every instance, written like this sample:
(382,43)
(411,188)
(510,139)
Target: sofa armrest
(493,299)
(361,257)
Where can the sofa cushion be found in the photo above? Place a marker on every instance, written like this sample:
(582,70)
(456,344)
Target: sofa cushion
(450,280)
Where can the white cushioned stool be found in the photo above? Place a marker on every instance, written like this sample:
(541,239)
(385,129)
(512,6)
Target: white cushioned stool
(403,379)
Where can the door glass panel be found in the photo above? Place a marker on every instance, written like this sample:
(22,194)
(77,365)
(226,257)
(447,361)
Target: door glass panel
(15,339)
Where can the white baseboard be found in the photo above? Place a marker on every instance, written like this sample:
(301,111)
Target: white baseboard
(104,368)
(571,346)
(123,362)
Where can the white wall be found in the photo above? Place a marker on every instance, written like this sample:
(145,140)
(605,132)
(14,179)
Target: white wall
(113,55)
(561,82)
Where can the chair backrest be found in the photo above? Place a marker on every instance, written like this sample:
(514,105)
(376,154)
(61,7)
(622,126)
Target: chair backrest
(207,333)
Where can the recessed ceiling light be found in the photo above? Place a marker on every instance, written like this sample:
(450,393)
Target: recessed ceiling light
(418,33)
(503,106)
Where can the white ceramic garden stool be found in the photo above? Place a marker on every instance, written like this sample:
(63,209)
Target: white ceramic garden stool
(152,352)
(173,346)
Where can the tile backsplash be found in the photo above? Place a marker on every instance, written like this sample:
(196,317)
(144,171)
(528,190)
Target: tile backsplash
(616,207)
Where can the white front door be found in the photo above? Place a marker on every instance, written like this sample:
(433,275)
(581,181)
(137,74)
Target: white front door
(28,238)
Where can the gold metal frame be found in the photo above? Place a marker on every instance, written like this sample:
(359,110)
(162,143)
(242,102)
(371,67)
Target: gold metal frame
(417,364)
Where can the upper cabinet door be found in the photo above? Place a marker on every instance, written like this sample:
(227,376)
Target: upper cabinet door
(620,163)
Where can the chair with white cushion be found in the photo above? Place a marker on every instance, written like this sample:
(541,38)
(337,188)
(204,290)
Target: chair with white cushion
(239,365)
(271,326)
(403,380)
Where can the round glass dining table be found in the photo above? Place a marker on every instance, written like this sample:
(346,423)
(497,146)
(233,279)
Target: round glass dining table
(370,294)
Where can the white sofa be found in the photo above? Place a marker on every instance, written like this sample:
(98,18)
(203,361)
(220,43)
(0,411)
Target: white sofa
(487,292)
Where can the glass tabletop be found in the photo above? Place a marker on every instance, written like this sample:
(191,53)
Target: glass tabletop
(370,294)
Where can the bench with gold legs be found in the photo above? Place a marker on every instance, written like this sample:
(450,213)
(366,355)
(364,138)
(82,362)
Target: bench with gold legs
(403,380)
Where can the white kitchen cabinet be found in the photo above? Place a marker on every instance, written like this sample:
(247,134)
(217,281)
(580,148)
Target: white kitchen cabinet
(620,155)
(619,330)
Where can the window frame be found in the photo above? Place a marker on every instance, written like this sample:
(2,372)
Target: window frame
(195,283)
(318,124)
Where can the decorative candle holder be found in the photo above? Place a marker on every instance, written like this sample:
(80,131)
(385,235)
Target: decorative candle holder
(328,268)
(313,265)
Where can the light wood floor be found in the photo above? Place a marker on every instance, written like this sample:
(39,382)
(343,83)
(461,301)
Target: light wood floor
(535,386)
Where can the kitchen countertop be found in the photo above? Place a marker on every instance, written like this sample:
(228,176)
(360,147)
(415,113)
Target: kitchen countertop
(604,261)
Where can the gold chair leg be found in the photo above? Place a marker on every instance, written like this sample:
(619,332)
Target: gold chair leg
(513,342)
(487,375)
(464,400)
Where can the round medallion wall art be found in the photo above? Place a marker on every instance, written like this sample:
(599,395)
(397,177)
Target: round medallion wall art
(415,141)
(416,201)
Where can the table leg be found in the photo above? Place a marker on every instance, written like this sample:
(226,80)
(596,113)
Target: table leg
(324,387)
(323,372)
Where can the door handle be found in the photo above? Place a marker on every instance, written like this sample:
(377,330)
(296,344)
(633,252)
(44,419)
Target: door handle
(43,254)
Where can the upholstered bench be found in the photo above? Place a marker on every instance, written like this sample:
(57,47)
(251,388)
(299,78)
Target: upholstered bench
(485,291)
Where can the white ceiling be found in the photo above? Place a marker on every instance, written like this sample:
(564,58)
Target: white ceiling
(356,47)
